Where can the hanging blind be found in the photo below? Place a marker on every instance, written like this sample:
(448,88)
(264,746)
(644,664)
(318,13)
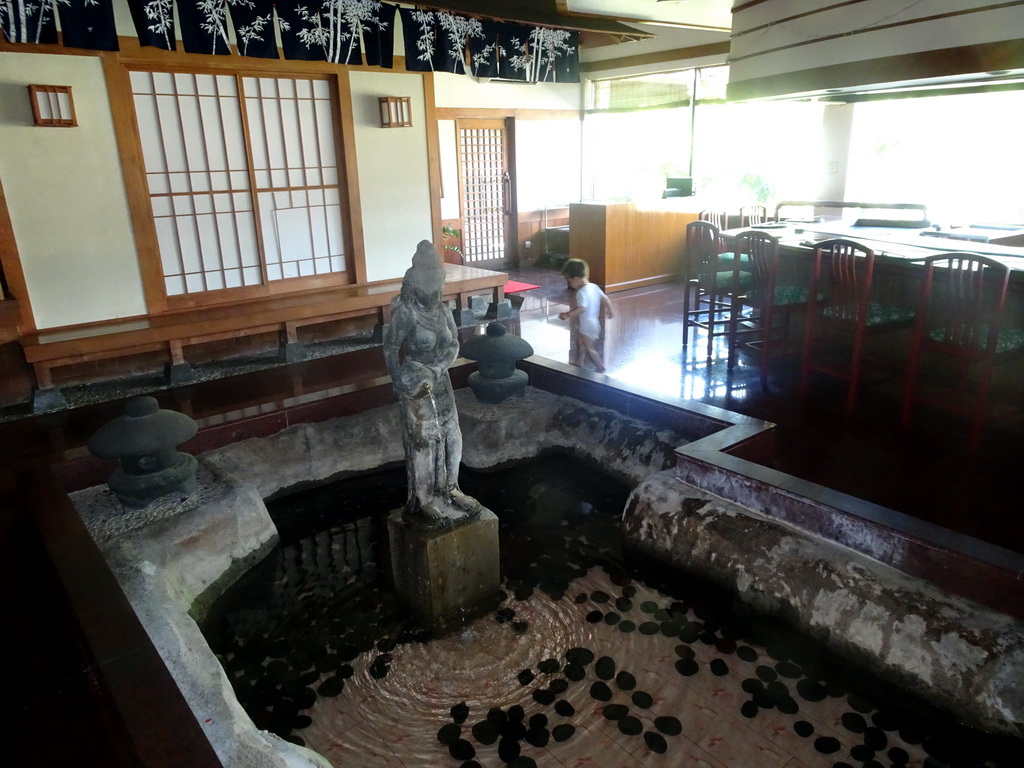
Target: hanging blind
(658,91)
(628,94)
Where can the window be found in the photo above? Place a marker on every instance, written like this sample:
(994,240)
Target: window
(242,175)
(637,130)
(961,155)
(758,152)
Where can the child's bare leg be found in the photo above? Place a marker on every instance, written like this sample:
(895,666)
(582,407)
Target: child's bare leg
(576,351)
(589,347)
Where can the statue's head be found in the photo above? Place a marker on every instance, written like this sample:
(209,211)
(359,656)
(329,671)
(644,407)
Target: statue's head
(425,278)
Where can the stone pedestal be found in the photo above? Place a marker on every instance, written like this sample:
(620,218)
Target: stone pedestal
(447,575)
(47,400)
(463,317)
(293,352)
(179,373)
(499,310)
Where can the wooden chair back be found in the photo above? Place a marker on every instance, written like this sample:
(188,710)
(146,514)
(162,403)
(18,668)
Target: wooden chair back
(719,218)
(703,243)
(762,250)
(963,297)
(753,214)
(845,286)
(960,316)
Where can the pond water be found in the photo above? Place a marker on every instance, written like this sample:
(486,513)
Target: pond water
(587,658)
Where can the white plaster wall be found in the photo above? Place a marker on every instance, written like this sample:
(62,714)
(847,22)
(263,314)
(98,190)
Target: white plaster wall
(393,173)
(836,127)
(467,91)
(450,206)
(66,197)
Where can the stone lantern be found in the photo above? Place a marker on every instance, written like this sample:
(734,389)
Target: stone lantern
(144,440)
(496,353)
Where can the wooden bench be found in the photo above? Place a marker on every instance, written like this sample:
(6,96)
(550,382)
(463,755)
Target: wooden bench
(173,332)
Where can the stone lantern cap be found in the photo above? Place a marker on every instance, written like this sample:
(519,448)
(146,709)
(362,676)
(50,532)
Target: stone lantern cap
(144,430)
(496,346)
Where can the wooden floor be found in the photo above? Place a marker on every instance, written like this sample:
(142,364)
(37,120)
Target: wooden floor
(926,474)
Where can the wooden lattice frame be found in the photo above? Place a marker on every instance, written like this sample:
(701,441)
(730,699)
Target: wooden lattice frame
(52,106)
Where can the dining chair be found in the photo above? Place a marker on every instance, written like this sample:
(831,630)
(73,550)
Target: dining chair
(713,290)
(717,217)
(753,214)
(960,318)
(766,301)
(841,315)
(720,219)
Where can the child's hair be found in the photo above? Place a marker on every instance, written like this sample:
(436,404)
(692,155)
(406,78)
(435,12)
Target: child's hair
(575,268)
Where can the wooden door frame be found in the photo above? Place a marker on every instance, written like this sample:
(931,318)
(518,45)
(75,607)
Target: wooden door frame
(508,128)
(14,274)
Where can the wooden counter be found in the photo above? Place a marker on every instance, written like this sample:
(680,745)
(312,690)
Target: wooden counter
(628,246)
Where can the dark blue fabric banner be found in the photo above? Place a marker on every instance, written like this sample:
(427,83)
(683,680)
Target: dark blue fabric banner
(454,35)
(419,33)
(483,51)
(204,26)
(154,23)
(512,46)
(28,21)
(379,37)
(88,24)
(556,54)
(324,31)
(253,22)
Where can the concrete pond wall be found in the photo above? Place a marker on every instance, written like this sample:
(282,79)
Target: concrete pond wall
(175,556)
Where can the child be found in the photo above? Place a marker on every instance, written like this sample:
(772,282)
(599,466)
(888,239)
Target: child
(591,303)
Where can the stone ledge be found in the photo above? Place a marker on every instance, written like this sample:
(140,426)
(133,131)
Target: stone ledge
(519,428)
(170,558)
(962,656)
(173,557)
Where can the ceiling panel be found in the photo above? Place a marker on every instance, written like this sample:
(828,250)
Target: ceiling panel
(701,14)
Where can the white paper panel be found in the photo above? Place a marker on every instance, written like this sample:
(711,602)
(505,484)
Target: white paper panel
(195,283)
(167,238)
(170,132)
(294,235)
(193,133)
(318,232)
(149,133)
(188,243)
(193,144)
(142,82)
(174,285)
(254,110)
(336,243)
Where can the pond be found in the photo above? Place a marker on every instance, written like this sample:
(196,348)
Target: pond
(588,656)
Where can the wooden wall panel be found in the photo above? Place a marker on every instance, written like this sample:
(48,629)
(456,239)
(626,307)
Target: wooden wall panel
(532,226)
(628,247)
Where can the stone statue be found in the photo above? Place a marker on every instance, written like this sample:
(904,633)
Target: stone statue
(420,344)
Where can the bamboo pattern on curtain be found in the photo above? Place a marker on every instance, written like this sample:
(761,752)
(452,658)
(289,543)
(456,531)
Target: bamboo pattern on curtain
(311,30)
(28,21)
